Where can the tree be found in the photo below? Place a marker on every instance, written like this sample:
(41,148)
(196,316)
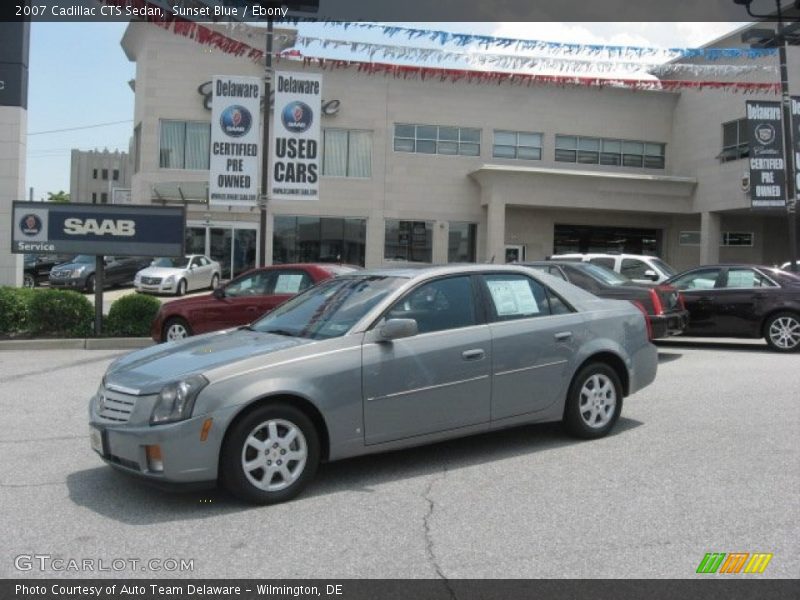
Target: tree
(60,197)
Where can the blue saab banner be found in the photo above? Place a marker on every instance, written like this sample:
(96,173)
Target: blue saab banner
(99,229)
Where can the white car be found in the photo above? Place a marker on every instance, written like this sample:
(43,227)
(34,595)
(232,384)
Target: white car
(178,275)
(638,267)
(787,266)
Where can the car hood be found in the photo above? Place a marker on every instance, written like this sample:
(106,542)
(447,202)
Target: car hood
(148,370)
(162,272)
(71,266)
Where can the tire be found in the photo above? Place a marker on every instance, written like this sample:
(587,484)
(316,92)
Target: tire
(214,282)
(257,484)
(28,280)
(181,289)
(90,284)
(588,415)
(175,329)
(782,331)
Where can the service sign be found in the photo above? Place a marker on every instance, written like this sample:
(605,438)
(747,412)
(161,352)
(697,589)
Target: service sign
(235,140)
(98,229)
(295,159)
(795,110)
(767,174)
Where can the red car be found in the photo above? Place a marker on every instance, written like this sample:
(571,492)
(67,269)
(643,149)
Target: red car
(240,301)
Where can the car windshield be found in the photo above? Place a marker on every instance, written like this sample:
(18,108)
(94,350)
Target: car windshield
(84,259)
(603,274)
(784,277)
(663,267)
(330,309)
(172,263)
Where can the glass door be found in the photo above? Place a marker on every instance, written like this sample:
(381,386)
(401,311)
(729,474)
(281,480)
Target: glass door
(220,248)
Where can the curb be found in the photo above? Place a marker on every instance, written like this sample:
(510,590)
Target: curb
(78,344)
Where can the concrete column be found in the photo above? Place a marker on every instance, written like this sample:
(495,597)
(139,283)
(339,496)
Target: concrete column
(496,231)
(709,238)
(441,232)
(13,133)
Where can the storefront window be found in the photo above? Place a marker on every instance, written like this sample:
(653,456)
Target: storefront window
(584,238)
(234,247)
(184,145)
(410,241)
(319,239)
(347,153)
(461,242)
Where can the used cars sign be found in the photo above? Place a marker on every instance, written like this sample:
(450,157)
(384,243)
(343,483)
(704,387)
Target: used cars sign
(97,229)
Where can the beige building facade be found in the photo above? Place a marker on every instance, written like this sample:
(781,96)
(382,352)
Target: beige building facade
(436,172)
(98,176)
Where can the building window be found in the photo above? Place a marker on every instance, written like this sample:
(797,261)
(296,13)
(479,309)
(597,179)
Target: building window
(104,198)
(137,144)
(347,153)
(689,238)
(517,144)
(184,145)
(435,139)
(94,197)
(315,239)
(461,243)
(115,175)
(94,173)
(105,174)
(737,238)
(609,152)
(734,141)
(410,241)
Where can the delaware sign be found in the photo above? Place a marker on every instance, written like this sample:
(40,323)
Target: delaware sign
(235,134)
(99,229)
(295,146)
(767,175)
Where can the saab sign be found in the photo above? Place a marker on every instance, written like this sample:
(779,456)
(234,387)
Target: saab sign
(97,229)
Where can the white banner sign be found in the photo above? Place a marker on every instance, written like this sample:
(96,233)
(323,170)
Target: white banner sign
(235,140)
(296,154)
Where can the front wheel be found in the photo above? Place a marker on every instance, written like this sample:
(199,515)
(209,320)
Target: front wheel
(214,282)
(28,280)
(175,329)
(270,455)
(90,283)
(181,289)
(594,402)
(782,332)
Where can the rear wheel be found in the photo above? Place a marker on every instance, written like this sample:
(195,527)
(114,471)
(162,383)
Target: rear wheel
(782,332)
(270,454)
(175,329)
(594,401)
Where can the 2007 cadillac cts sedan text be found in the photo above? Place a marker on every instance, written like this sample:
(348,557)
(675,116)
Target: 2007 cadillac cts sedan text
(366,362)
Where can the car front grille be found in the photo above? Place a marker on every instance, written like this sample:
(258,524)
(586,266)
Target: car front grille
(151,280)
(115,407)
(60,274)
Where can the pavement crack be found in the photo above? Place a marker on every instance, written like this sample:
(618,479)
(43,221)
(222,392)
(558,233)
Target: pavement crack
(426,526)
(30,485)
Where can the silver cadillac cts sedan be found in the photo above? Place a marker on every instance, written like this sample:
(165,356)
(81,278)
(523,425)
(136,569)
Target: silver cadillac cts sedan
(368,362)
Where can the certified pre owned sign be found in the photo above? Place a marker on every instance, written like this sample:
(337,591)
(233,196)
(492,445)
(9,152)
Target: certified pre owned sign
(98,229)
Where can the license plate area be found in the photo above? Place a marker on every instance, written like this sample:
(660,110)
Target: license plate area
(97,440)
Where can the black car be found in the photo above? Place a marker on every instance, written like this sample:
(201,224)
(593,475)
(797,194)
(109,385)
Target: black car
(663,304)
(79,273)
(38,266)
(743,301)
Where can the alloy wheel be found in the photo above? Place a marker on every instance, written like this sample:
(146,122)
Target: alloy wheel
(784,332)
(274,455)
(176,331)
(598,400)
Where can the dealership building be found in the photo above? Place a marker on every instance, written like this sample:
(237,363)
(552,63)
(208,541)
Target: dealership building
(434,171)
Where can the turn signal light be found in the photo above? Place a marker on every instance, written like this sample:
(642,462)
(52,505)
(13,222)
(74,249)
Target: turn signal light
(154,460)
(206,428)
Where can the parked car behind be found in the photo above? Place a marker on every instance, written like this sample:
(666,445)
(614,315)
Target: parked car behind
(636,267)
(240,301)
(79,273)
(178,275)
(743,301)
(38,266)
(368,362)
(663,304)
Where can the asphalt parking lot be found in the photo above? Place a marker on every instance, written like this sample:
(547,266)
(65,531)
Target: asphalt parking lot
(707,459)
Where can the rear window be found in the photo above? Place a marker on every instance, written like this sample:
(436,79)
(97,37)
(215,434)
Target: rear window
(664,267)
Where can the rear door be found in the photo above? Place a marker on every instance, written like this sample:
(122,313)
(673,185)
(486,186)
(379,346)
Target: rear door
(534,335)
(699,288)
(738,302)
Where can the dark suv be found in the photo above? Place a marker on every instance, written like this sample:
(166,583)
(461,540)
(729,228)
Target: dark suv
(38,266)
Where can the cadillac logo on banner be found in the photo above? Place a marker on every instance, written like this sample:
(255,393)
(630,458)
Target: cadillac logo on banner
(767,174)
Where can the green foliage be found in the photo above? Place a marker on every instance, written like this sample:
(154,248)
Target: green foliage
(132,315)
(60,197)
(61,313)
(15,309)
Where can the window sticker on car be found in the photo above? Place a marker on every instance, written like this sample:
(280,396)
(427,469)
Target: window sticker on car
(512,298)
(288,284)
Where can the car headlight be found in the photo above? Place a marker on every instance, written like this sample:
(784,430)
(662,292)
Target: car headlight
(170,279)
(77,272)
(176,400)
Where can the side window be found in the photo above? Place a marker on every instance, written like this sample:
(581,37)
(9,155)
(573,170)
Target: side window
(746,278)
(438,305)
(202,261)
(195,262)
(255,284)
(633,268)
(581,279)
(557,305)
(603,262)
(291,282)
(556,272)
(515,296)
(704,279)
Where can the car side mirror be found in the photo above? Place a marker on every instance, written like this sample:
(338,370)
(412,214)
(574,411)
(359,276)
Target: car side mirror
(651,275)
(395,329)
(219,293)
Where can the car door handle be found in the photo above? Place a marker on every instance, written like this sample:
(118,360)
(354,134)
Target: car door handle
(476,354)
(563,335)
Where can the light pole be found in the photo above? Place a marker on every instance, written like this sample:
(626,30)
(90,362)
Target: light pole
(779,39)
(262,224)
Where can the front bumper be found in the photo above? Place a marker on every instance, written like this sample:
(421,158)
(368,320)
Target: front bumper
(159,288)
(72,283)
(669,324)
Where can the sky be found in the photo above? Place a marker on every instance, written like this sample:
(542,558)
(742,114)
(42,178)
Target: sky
(78,77)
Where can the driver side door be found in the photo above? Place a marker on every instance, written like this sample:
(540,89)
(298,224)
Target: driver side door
(241,303)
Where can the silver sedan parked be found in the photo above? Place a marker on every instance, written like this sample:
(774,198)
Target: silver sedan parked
(368,362)
(178,275)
